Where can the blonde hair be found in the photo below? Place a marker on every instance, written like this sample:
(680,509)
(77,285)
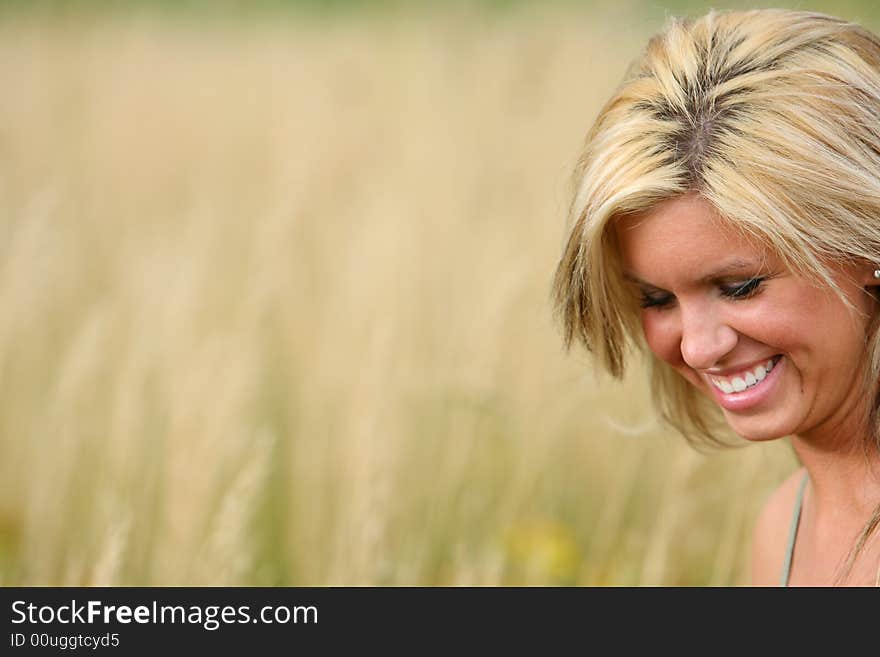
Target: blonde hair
(773,117)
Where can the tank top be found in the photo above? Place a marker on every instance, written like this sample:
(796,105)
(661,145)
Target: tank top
(792,532)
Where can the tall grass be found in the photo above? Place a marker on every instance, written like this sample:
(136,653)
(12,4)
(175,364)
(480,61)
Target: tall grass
(274,311)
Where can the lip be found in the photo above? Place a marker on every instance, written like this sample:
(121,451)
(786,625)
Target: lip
(750,397)
(739,369)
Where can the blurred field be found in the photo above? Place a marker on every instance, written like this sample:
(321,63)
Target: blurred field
(275,311)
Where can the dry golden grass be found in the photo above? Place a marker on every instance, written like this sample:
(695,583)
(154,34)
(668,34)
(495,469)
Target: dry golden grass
(275,311)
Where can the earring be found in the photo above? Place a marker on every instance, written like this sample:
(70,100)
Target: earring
(877,273)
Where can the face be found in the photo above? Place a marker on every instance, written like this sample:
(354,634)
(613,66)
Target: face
(780,355)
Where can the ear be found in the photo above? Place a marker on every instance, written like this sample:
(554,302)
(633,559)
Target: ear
(869,277)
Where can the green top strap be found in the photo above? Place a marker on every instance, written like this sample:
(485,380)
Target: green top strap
(792,533)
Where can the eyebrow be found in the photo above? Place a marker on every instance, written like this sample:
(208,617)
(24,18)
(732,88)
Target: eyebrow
(732,267)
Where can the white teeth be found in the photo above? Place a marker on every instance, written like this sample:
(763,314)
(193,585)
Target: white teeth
(744,381)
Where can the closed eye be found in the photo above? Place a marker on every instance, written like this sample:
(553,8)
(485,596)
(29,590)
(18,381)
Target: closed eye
(656,300)
(743,290)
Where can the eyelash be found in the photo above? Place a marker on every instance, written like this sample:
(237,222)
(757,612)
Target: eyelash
(736,292)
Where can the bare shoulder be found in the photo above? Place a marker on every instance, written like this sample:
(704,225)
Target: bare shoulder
(770,538)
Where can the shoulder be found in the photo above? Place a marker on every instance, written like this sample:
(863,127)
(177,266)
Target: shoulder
(770,538)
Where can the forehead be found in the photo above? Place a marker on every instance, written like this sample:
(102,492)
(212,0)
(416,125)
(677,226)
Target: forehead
(683,237)
(681,220)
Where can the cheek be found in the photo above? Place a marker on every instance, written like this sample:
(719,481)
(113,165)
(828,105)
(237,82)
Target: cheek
(662,336)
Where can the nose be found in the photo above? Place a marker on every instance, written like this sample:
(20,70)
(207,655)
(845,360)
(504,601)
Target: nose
(706,338)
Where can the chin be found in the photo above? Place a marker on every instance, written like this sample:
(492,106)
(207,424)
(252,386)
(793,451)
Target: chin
(756,430)
(759,437)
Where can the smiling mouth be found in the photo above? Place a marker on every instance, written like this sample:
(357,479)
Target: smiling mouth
(745,380)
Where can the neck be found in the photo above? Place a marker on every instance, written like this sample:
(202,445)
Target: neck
(839,504)
(842,482)
(843,462)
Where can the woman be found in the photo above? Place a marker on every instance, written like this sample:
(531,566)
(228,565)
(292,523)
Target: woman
(726,221)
